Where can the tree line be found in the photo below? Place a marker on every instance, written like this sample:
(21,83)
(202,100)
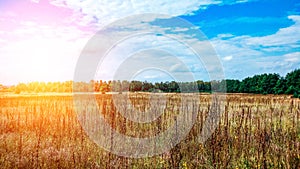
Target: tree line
(271,83)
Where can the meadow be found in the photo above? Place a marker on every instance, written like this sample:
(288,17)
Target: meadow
(255,131)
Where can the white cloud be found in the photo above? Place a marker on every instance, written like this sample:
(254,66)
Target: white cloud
(173,44)
(178,29)
(292,57)
(227,58)
(233,46)
(284,36)
(254,55)
(283,40)
(226,35)
(34,29)
(104,12)
(242,1)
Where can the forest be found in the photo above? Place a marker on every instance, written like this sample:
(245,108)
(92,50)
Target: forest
(271,83)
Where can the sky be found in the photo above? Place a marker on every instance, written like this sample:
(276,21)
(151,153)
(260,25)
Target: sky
(48,40)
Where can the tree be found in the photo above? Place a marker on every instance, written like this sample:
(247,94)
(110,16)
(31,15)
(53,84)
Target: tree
(293,83)
(233,86)
(135,86)
(280,86)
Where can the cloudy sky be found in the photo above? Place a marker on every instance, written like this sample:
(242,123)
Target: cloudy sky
(42,40)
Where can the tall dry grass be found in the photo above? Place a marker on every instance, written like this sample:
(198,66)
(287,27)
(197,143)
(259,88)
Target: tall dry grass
(255,131)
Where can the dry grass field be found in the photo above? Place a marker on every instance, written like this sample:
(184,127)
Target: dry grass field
(255,131)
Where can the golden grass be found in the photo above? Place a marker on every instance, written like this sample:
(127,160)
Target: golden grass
(256,131)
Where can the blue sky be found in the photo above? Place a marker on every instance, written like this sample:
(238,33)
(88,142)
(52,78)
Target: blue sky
(44,40)
(257,18)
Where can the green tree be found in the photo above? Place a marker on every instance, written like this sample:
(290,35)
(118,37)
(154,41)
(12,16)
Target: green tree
(293,83)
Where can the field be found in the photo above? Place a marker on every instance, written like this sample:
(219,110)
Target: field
(255,131)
